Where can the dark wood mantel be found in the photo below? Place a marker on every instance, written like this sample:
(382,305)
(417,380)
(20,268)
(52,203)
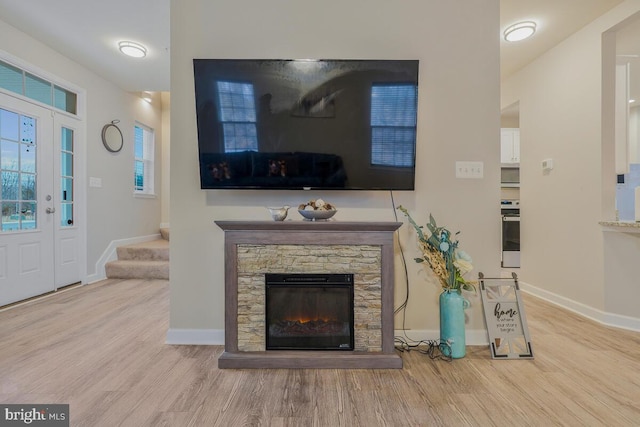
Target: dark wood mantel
(308,233)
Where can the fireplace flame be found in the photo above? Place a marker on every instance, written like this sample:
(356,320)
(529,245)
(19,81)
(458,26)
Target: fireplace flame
(304,320)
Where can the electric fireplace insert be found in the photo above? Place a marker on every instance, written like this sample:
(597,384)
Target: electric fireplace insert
(309,311)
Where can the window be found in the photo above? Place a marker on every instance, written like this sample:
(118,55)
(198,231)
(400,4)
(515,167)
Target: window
(393,125)
(143,159)
(19,81)
(238,116)
(18,170)
(66,176)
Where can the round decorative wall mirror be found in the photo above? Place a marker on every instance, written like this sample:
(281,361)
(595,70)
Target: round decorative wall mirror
(112,137)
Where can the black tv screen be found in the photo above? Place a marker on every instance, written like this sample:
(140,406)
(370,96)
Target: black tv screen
(306,124)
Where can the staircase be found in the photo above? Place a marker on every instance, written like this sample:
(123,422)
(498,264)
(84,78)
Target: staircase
(148,260)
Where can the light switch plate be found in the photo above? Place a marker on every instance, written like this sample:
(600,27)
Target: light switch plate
(472,170)
(95,182)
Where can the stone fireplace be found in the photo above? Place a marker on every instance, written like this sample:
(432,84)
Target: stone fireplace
(254,249)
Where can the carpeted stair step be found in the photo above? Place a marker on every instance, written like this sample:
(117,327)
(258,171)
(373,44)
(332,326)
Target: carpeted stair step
(147,260)
(137,269)
(155,250)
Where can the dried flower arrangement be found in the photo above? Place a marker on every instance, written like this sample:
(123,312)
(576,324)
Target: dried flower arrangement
(440,251)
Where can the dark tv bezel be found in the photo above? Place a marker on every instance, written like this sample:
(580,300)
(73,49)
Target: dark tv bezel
(310,188)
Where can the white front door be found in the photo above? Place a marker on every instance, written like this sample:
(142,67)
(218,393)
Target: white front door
(27,199)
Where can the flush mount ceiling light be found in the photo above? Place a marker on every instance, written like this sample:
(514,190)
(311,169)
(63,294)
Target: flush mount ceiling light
(519,31)
(133,49)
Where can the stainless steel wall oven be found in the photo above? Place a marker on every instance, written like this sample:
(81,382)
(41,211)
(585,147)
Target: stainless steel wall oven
(511,237)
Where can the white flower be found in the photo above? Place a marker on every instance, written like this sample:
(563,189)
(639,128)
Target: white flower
(463,266)
(308,208)
(460,254)
(319,203)
(462,261)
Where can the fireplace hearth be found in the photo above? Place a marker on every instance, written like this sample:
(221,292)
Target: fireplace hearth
(309,311)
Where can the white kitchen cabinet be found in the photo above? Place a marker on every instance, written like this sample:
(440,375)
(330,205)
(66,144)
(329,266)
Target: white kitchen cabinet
(509,145)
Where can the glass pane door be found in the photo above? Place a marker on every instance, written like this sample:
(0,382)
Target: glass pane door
(26,199)
(18,168)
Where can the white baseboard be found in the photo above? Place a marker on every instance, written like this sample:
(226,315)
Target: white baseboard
(164,225)
(195,336)
(602,317)
(472,336)
(216,336)
(109,254)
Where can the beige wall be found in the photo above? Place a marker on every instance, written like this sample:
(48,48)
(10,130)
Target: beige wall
(166,151)
(509,122)
(458,50)
(566,257)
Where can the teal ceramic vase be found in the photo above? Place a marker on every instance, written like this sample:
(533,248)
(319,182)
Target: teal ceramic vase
(452,329)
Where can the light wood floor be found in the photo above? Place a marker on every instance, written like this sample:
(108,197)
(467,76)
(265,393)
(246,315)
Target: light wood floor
(100,348)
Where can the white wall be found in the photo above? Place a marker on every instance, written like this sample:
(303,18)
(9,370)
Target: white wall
(458,48)
(565,255)
(112,211)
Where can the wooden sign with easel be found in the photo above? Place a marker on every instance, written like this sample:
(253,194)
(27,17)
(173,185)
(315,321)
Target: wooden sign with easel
(506,321)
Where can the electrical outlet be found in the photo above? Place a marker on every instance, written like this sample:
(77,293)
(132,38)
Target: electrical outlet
(472,170)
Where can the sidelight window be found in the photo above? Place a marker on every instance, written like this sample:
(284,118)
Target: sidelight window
(66,176)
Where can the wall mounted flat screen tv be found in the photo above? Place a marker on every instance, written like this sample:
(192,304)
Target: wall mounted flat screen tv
(306,124)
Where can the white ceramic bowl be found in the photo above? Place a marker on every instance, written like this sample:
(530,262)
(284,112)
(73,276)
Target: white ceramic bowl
(319,214)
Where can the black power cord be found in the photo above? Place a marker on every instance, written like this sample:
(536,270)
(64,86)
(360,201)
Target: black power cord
(402,306)
(433,348)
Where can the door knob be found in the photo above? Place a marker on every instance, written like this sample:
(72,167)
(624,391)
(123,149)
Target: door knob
(50,210)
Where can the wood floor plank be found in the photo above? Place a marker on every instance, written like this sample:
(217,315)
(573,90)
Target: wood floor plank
(100,348)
